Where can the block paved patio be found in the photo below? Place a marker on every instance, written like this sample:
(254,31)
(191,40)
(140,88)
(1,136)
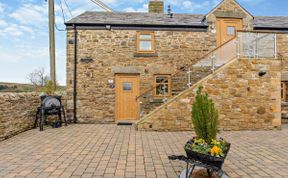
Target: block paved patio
(120,151)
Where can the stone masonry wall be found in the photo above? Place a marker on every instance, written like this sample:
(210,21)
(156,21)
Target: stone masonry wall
(113,52)
(229,8)
(284,112)
(102,53)
(179,83)
(17,112)
(282,41)
(245,101)
(282,50)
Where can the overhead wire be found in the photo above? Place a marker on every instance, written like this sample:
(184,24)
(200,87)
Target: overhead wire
(62,10)
(69,10)
(63,16)
(98,2)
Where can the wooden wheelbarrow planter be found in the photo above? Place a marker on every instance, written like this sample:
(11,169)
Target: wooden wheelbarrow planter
(194,159)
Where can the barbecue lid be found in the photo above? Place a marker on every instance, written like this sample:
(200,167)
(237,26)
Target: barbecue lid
(51,101)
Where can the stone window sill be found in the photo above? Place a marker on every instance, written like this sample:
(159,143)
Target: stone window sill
(158,100)
(145,54)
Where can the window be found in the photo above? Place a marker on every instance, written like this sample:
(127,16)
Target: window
(162,85)
(283,90)
(127,86)
(145,42)
(231,31)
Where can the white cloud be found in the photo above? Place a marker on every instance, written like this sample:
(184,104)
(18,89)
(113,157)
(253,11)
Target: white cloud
(174,2)
(32,57)
(192,6)
(11,30)
(26,29)
(24,53)
(77,7)
(144,8)
(14,30)
(9,57)
(30,14)
(3,23)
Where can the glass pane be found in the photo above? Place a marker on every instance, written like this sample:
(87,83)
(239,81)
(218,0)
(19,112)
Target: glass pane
(145,37)
(162,90)
(127,86)
(161,79)
(231,31)
(145,45)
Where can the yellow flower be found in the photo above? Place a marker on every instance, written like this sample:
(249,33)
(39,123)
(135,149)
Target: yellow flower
(215,150)
(215,142)
(199,141)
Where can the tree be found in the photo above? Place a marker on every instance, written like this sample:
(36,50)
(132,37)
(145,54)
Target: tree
(48,88)
(204,117)
(38,78)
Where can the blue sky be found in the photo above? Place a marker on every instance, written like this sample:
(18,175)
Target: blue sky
(24,24)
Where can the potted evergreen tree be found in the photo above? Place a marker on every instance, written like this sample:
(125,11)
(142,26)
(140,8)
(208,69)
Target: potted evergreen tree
(205,147)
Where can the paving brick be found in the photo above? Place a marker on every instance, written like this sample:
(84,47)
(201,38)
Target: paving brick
(79,150)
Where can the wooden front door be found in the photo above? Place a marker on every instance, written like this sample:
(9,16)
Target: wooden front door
(227,28)
(127,89)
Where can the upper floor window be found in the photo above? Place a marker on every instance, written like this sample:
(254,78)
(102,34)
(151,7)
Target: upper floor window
(145,42)
(162,85)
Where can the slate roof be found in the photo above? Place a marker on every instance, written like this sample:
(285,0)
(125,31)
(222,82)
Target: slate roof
(125,18)
(152,19)
(271,22)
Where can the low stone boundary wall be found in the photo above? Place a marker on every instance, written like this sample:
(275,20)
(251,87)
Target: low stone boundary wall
(17,112)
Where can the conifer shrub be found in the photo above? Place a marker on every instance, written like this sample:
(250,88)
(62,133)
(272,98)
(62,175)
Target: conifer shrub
(205,117)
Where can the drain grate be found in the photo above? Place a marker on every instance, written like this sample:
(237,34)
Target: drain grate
(124,123)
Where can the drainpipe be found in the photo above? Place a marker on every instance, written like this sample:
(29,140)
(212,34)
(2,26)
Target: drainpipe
(75,77)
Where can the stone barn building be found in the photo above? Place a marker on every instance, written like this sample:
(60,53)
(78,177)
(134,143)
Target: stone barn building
(145,67)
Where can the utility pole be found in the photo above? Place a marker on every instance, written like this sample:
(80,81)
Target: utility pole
(52,44)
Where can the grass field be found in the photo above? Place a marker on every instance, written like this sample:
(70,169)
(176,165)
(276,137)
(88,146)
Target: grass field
(19,87)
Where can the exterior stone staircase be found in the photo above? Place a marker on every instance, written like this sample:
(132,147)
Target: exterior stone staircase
(187,76)
(173,113)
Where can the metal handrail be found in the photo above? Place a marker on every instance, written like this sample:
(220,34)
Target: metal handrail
(209,53)
(259,38)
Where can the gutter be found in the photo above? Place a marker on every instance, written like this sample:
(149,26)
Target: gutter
(75,77)
(102,26)
(277,29)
